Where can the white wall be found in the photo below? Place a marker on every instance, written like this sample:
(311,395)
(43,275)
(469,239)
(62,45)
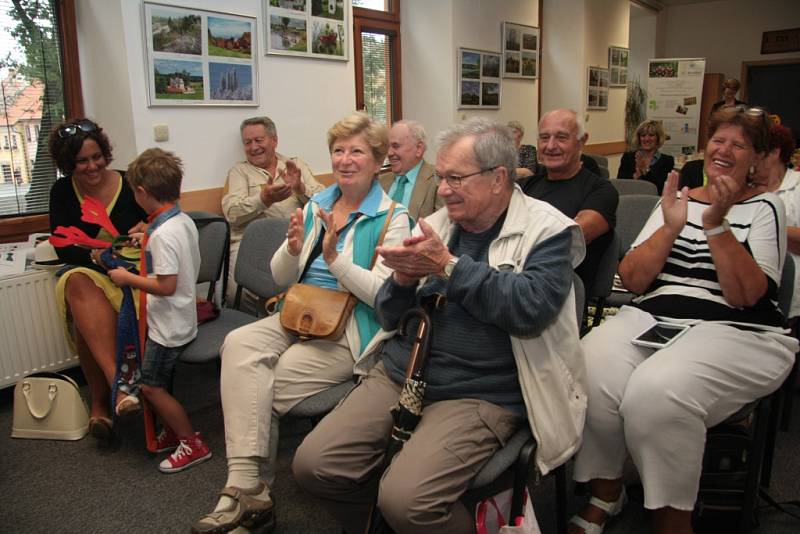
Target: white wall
(641,41)
(432,32)
(726,32)
(609,125)
(303,96)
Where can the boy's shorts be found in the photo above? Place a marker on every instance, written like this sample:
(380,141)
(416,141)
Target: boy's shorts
(159,363)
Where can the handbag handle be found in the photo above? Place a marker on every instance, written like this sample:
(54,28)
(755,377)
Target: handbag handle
(383,233)
(52,391)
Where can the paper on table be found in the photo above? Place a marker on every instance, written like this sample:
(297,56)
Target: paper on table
(12,260)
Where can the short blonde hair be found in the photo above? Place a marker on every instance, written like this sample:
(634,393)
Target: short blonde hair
(649,125)
(732,83)
(359,123)
(516,125)
(158,172)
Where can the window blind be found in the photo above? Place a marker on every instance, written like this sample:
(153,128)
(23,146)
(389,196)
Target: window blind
(32,102)
(378,79)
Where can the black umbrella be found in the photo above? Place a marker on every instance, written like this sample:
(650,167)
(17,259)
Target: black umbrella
(408,411)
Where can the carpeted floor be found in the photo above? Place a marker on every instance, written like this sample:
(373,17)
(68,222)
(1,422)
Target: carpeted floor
(78,487)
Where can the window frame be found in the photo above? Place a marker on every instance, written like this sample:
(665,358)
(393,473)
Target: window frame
(18,228)
(386,23)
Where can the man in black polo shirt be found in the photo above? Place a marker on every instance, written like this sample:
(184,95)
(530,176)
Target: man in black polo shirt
(566,184)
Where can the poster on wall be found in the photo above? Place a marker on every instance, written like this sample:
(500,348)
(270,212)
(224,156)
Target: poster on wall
(597,89)
(307,28)
(197,57)
(478,79)
(618,66)
(520,51)
(674,90)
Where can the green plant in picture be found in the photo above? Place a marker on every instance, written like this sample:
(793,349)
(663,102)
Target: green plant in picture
(635,111)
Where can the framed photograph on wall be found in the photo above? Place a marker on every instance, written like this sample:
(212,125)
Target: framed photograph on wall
(308,28)
(479,79)
(597,89)
(520,51)
(197,57)
(618,66)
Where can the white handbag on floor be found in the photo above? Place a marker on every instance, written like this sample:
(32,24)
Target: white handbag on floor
(49,406)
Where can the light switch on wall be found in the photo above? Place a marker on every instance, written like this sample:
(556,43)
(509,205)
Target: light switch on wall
(161,132)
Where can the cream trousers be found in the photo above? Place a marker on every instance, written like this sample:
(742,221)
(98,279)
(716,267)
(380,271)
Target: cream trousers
(657,404)
(265,372)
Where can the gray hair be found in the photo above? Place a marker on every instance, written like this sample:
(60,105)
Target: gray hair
(579,126)
(266,122)
(416,130)
(494,146)
(516,125)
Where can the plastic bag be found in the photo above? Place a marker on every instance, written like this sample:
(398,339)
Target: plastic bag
(491,513)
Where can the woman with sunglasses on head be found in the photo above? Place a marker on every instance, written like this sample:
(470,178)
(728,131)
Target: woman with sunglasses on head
(88,299)
(710,257)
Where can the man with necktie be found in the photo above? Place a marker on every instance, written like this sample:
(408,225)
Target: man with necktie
(411,180)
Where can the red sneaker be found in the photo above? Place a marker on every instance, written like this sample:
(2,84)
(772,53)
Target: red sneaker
(166,440)
(189,452)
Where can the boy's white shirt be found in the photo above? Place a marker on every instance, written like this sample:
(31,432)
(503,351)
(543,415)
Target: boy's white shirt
(174,249)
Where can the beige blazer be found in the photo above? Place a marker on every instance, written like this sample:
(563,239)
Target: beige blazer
(424,199)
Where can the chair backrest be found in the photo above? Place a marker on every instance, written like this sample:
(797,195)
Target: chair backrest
(632,213)
(604,172)
(786,291)
(261,239)
(602,161)
(214,241)
(603,280)
(634,187)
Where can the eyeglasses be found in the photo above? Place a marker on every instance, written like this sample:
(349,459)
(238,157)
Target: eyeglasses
(454,181)
(68,130)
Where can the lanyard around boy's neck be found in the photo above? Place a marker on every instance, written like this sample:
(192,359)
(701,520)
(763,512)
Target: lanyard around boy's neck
(161,215)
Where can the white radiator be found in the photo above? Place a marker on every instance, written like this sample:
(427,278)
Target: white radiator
(31,333)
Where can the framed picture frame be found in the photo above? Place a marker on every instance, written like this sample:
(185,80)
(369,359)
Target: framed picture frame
(520,51)
(479,81)
(597,89)
(308,28)
(618,66)
(196,57)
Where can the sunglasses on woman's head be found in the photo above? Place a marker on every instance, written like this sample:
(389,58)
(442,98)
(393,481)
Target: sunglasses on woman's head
(68,130)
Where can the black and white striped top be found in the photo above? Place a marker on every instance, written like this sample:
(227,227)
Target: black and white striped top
(688,287)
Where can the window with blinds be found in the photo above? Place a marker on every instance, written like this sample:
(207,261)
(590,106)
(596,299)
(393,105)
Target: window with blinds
(377,58)
(32,102)
(377,68)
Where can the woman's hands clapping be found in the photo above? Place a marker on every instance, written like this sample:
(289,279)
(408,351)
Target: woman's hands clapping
(722,195)
(331,237)
(675,209)
(294,235)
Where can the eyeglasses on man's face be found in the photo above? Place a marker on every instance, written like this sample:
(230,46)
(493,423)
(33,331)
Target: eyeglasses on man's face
(454,181)
(70,129)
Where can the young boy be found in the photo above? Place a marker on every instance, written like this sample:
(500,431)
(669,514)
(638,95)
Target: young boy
(174,262)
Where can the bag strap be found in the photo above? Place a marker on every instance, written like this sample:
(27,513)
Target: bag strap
(52,391)
(383,233)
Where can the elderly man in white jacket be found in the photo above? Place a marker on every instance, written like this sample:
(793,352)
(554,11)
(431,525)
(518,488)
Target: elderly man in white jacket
(505,350)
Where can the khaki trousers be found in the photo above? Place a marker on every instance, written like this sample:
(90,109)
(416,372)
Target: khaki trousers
(265,372)
(339,460)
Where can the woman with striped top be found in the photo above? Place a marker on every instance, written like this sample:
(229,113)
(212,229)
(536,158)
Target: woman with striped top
(710,257)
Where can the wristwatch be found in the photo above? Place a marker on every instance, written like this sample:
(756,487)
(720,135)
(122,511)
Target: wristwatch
(722,228)
(447,272)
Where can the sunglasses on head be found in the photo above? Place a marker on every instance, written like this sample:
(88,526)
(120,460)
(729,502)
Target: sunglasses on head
(68,130)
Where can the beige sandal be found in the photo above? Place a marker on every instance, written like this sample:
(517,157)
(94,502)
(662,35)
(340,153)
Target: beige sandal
(252,506)
(128,405)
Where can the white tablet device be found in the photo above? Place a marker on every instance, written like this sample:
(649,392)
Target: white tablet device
(660,335)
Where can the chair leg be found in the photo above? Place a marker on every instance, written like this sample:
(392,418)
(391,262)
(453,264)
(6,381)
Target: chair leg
(788,393)
(755,459)
(598,311)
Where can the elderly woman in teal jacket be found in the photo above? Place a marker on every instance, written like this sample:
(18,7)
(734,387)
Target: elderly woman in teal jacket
(265,369)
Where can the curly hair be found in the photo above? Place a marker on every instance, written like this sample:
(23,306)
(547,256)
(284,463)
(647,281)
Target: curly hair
(64,147)
(780,137)
(359,123)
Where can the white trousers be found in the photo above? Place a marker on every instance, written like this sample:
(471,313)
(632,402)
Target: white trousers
(265,372)
(657,404)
